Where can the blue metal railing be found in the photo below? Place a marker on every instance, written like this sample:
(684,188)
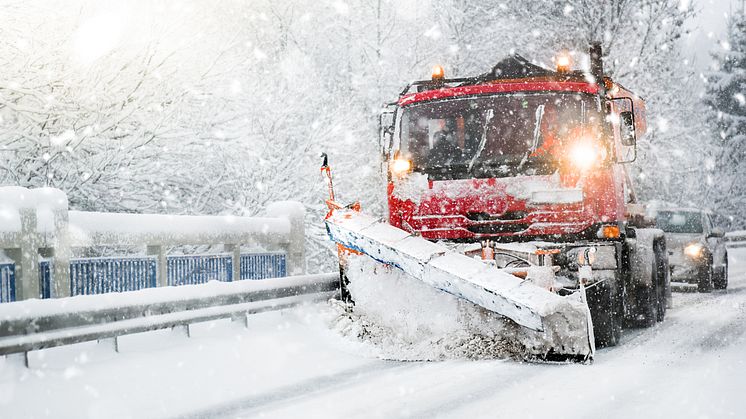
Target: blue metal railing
(115,274)
(45,278)
(102,275)
(7,282)
(198,269)
(263,265)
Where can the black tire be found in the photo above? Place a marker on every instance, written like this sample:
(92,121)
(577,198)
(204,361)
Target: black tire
(605,303)
(648,302)
(662,280)
(720,281)
(704,278)
(649,297)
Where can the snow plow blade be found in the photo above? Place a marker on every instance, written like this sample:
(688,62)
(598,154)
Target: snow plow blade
(553,327)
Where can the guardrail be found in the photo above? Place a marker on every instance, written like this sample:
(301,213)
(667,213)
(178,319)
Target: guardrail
(735,239)
(37,324)
(35,224)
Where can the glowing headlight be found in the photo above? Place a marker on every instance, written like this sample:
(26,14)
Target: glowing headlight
(401,166)
(694,250)
(583,155)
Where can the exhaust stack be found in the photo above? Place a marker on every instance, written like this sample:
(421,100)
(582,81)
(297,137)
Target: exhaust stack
(597,61)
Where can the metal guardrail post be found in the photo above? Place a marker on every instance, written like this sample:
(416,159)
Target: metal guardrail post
(235,250)
(162,266)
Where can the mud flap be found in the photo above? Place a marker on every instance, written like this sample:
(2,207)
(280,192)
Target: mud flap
(591,336)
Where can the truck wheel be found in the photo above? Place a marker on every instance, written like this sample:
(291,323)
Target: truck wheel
(649,302)
(648,281)
(663,272)
(648,297)
(704,283)
(720,281)
(605,303)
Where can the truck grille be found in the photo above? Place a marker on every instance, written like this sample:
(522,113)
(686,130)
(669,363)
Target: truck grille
(498,228)
(508,216)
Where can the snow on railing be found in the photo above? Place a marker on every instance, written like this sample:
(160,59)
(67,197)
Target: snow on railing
(36,324)
(36,223)
(735,239)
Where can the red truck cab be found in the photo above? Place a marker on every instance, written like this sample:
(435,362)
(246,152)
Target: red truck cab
(520,153)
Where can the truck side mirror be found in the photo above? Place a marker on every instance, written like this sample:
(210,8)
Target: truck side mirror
(386,130)
(627,125)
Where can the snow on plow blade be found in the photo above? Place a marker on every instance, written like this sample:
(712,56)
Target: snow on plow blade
(558,327)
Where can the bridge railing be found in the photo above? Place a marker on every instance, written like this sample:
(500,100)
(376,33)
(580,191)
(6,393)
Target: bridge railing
(38,324)
(36,225)
(735,239)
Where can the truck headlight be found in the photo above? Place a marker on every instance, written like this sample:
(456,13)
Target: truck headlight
(694,250)
(401,166)
(584,155)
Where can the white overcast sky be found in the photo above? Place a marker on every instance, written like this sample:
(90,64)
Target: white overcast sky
(708,28)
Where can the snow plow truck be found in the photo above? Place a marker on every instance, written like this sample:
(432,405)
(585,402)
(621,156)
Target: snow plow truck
(511,190)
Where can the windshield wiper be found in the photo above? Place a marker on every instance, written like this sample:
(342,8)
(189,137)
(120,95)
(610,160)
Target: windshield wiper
(537,135)
(483,141)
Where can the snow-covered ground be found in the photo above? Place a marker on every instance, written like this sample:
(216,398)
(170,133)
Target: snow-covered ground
(289,364)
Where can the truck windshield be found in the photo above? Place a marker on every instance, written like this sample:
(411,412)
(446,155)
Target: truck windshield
(679,221)
(494,136)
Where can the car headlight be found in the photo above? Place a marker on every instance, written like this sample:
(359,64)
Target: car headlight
(694,250)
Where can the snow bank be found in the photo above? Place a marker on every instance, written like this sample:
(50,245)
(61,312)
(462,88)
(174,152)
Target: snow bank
(406,319)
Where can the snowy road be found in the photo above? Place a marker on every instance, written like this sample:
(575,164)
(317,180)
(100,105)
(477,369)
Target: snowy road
(290,365)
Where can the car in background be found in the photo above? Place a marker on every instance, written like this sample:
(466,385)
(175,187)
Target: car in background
(696,248)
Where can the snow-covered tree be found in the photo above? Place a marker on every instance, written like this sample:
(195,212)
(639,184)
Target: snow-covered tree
(642,47)
(726,97)
(91,109)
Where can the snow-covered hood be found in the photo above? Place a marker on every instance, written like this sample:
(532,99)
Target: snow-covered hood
(532,189)
(485,207)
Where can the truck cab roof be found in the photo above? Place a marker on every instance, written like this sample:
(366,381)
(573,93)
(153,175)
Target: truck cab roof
(512,74)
